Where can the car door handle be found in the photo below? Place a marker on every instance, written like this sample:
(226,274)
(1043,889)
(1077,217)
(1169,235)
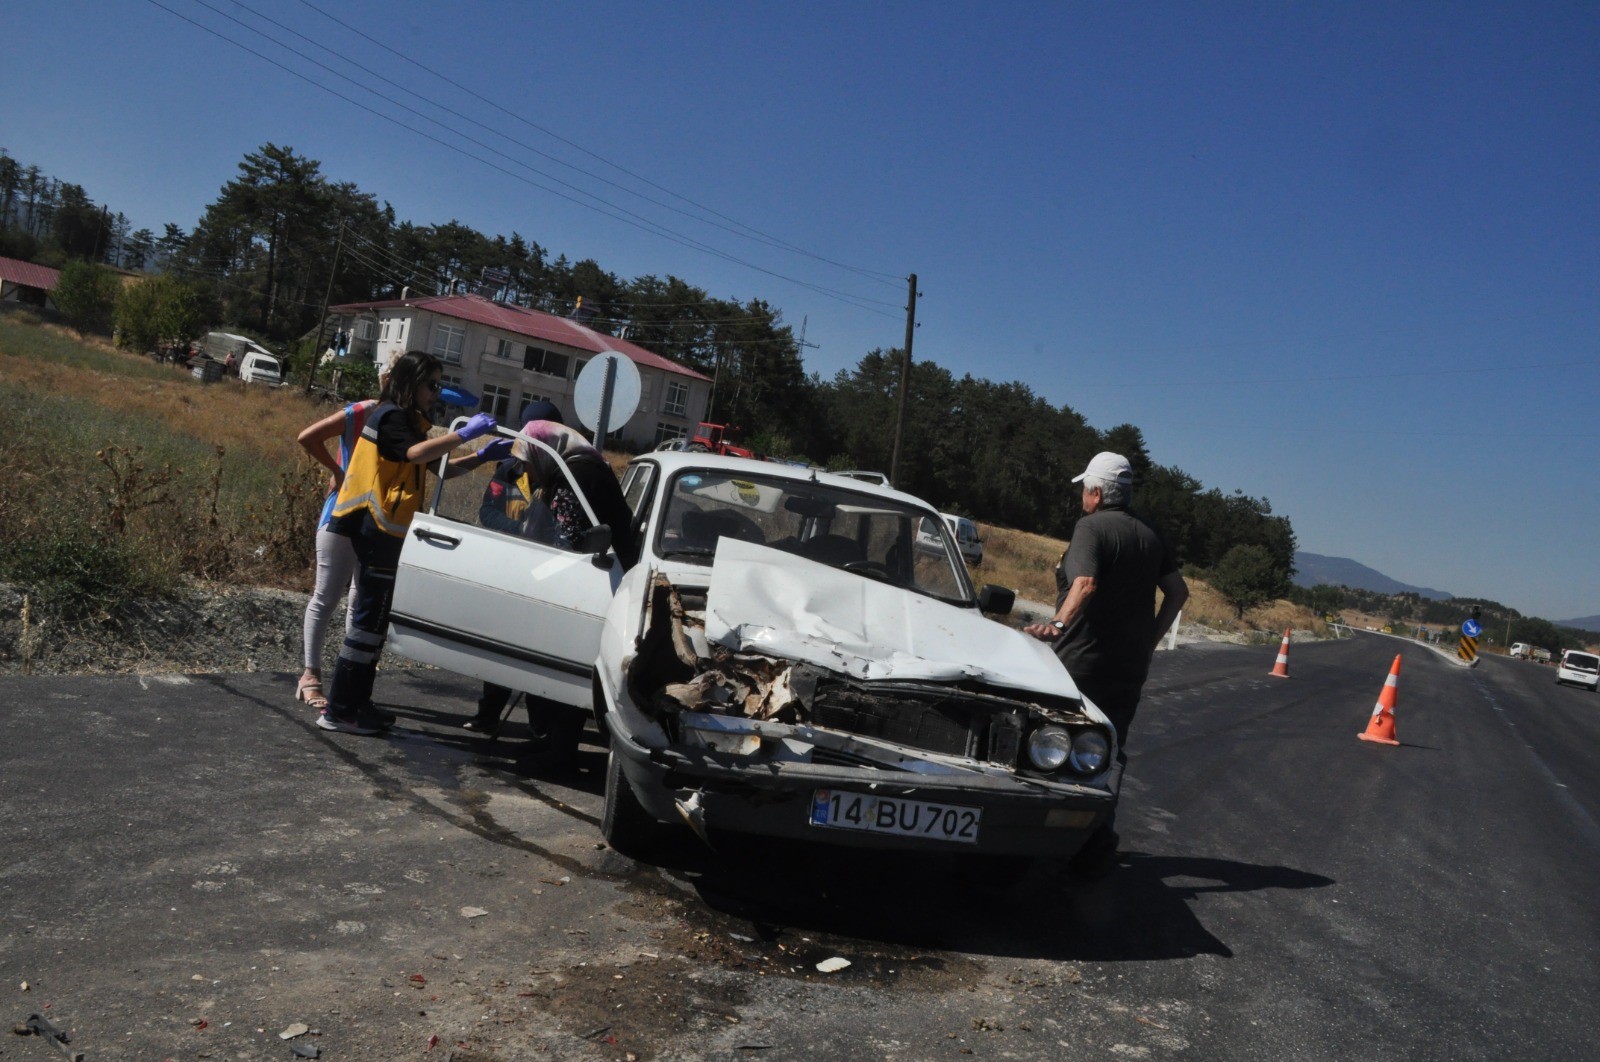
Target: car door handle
(434,537)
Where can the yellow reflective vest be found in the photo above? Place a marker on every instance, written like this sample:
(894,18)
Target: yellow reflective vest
(390,490)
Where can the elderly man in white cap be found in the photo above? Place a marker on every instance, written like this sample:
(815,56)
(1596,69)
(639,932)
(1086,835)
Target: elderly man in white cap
(1106,625)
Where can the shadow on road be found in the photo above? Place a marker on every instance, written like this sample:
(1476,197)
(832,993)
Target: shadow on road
(1141,911)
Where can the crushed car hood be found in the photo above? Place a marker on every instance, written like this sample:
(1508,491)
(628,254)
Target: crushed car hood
(767,601)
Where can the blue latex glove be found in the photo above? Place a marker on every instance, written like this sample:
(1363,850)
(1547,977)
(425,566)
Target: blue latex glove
(479,424)
(496,450)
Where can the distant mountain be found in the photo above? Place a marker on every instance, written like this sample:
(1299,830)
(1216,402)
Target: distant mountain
(1313,569)
(1583,623)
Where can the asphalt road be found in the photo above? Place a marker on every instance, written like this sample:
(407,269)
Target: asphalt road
(191,867)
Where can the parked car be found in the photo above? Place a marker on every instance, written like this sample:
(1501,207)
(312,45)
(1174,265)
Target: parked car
(1521,650)
(1580,669)
(783,660)
(961,530)
(256,367)
(868,476)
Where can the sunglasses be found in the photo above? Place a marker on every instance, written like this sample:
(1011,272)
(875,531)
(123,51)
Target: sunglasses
(433,385)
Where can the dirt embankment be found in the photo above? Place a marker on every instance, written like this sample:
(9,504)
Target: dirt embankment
(207,628)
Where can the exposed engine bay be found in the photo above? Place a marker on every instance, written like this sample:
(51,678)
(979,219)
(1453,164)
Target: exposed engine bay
(764,707)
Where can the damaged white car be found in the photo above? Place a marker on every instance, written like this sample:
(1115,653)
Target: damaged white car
(784,660)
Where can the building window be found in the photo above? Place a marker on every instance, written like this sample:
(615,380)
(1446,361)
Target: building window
(676,402)
(365,327)
(577,367)
(646,386)
(385,332)
(665,431)
(503,348)
(537,359)
(447,343)
(496,401)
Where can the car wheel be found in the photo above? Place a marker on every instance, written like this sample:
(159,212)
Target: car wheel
(625,824)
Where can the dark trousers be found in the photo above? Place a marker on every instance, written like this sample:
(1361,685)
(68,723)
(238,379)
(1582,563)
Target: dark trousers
(556,727)
(377,556)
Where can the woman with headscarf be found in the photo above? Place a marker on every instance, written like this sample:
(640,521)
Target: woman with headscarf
(556,727)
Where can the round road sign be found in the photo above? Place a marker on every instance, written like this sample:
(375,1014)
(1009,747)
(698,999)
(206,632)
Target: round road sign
(1471,629)
(586,396)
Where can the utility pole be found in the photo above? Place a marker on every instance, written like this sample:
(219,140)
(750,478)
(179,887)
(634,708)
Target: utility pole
(803,344)
(327,297)
(905,381)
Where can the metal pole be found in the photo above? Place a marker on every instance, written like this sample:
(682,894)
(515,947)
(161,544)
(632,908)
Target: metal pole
(905,382)
(327,296)
(606,390)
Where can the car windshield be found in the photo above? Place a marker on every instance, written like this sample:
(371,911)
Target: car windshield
(869,535)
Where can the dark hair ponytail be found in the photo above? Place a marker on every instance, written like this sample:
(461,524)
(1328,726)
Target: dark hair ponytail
(409,370)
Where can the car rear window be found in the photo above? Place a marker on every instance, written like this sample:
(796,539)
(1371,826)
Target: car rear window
(1582,662)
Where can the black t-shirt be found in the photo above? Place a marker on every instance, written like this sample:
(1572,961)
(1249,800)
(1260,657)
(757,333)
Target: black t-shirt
(1112,638)
(398,433)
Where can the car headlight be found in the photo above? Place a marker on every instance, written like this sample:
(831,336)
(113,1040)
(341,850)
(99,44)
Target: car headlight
(1048,747)
(1090,750)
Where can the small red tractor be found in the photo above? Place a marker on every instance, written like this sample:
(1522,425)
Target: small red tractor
(713,438)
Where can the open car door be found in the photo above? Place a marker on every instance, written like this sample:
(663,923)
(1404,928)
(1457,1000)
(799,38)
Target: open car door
(496,604)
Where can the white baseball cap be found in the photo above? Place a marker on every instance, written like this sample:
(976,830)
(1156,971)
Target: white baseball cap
(1108,468)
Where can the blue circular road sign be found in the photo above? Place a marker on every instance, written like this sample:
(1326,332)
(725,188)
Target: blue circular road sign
(1471,629)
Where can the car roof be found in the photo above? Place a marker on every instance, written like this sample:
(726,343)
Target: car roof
(673,461)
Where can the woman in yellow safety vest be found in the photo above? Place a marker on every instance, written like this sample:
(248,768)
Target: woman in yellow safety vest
(382,490)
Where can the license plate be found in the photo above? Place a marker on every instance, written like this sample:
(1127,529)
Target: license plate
(841,810)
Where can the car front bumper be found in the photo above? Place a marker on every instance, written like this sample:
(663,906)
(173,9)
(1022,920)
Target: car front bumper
(774,799)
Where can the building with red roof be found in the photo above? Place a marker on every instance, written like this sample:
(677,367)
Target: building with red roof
(27,283)
(510,356)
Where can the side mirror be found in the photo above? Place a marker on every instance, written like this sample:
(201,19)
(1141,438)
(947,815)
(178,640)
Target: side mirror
(596,540)
(996,600)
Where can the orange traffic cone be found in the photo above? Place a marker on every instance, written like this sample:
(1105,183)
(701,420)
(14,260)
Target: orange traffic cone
(1281,668)
(1380,727)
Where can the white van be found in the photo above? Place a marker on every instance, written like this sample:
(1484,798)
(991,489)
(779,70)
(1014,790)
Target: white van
(260,367)
(1580,669)
(965,532)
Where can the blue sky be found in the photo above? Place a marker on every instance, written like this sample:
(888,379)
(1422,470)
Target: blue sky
(1343,256)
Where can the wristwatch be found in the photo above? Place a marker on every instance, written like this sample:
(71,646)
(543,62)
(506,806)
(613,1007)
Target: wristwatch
(1058,625)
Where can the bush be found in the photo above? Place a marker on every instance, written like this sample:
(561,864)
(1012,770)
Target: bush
(357,380)
(75,573)
(86,295)
(157,311)
(1247,576)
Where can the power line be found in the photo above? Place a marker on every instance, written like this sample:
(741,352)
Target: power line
(607,209)
(743,231)
(1149,385)
(879,275)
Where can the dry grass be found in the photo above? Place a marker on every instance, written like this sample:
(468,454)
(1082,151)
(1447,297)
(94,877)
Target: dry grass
(124,465)
(262,421)
(1026,562)
(1021,560)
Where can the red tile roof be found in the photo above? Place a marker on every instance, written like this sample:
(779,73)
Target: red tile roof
(532,323)
(27,274)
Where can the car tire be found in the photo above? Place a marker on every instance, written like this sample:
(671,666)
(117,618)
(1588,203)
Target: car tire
(625,824)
